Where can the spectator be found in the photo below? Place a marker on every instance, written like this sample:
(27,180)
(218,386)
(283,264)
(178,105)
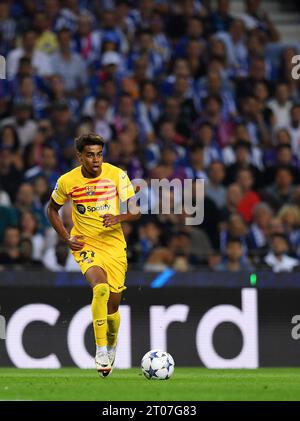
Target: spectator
(26,258)
(87,40)
(148,110)
(184,96)
(195,57)
(242,150)
(169,167)
(276,226)
(59,95)
(261,94)
(110,31)
(220,19)
(69,65)
(260,21)
(254,155)
(125,114)
(7,28)
(59,259)
(25,201)
(253,118)
(281,105)
(130,234)
(282,190)
(257,72)
(41,192)
(234,196)
(46,38)
(260,227)
(232,258)
(171,114)
(206,138)
(159,260)
(101,119)
(250,198)
(200,244)
(278,258)
(180,246)
(149,239)
(28,94)
(29,227)
(66,16)
(130,157)
(294,129)
(223,128)
(39,60)
(4,199)
(10,140)
(284,158)
(237,229)
(52,11)
(10,252)
(22,121)
(144,47)
(160,41)
(47,169)
(290,218)
(10,176)
(63,134)
(214,188)
(8,217)
(194,31)
(196,167)
(213,84)
(236,45)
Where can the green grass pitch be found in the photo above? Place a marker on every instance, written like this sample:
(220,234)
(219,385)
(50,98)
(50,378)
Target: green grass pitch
(187,384)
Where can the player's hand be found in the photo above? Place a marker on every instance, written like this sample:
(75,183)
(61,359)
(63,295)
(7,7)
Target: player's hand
(76,242)
(109,220)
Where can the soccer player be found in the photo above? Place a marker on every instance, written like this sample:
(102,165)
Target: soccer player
(97,243)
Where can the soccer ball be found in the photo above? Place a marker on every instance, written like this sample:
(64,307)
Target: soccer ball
(157,365)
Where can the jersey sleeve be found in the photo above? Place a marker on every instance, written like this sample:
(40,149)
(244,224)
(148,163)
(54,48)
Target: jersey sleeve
(59,194)
(125,187)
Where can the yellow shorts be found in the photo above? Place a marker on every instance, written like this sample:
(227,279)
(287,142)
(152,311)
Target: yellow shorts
(115,267)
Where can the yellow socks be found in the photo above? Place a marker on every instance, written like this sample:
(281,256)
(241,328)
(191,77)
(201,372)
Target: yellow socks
(113,324)
(99,312)
(106,326)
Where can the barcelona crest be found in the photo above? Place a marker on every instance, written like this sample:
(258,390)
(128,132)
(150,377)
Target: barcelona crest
(90,190)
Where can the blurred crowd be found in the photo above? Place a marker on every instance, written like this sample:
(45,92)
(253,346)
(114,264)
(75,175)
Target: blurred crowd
(178,89)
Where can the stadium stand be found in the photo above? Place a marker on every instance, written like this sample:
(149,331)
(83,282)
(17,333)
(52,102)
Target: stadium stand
(178,89)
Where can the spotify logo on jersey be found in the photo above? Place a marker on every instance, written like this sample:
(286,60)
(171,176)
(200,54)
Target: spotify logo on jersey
(81,209)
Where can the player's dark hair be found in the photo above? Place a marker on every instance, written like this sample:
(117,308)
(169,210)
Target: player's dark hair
(88,139)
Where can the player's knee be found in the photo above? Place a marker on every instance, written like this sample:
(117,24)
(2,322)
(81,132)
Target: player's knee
(101,291)
(96,276)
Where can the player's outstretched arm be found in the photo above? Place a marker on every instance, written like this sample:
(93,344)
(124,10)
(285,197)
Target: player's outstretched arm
(75,242)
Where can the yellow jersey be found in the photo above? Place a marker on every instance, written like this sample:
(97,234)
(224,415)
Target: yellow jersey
(91,199)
